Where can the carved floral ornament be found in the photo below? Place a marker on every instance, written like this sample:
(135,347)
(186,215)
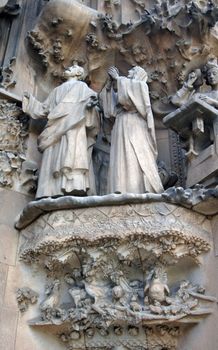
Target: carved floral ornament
(13,137)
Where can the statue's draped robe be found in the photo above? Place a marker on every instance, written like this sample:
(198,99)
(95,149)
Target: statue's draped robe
(67,140)
(133,145)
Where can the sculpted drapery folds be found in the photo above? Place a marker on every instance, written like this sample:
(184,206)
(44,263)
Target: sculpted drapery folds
(133,145)
(68,138)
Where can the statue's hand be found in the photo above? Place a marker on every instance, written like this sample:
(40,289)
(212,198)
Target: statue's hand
(113,73)
(93,102)
(208,100)
(192,77)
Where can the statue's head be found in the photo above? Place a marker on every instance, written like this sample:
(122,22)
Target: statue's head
(212,76)
(212,72)
(117,292)
(74,71)
(137,73)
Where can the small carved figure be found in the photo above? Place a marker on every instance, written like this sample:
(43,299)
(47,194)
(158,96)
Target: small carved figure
(133,146)
(133,331)
(157,288)
(53,295)
(118,330)
(68,137)
(134,304)
(211,97)
(26,296)
(118,294)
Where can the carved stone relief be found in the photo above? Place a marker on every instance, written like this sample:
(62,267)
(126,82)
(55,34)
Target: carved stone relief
(111,261)
(127,35)
(108,27)
(108,275)
(26,297)
(7,75)
(13,137)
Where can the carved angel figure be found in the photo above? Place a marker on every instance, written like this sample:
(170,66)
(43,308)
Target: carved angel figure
(133,145)
(194,81)
(68,138)
(211,97)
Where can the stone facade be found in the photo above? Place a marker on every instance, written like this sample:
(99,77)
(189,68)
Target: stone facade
(113,270)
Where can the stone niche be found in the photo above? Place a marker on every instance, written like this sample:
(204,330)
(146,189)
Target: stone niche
(115,277)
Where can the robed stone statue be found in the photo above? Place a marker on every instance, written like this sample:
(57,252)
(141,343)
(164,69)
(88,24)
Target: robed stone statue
(133,152)
(68,137)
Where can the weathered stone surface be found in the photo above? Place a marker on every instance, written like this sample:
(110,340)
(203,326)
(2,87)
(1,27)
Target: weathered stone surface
(3,279)
(8,326)
(10,205)
(215,233)
(28,338)
(9,242)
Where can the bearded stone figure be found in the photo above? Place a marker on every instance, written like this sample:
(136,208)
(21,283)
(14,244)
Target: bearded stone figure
(68,137)
(133,153)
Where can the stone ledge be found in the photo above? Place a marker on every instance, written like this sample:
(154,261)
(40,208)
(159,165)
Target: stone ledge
(195,199)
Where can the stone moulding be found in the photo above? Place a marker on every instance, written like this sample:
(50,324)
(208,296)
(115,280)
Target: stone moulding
(194,199)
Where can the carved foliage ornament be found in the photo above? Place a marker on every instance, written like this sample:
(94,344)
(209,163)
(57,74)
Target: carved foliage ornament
(13,135)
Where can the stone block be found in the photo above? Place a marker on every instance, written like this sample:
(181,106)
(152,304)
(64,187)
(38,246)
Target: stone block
(215,233)
(30,338)
(8,326)
(3,279)
(11,203)
(8,246)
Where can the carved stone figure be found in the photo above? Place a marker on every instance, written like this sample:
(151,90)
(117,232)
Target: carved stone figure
(67,140)
(157,289)
(190,86)
(133,145)
(52,296)
(196,122)
(211,97)
(26,296)
(194,81)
